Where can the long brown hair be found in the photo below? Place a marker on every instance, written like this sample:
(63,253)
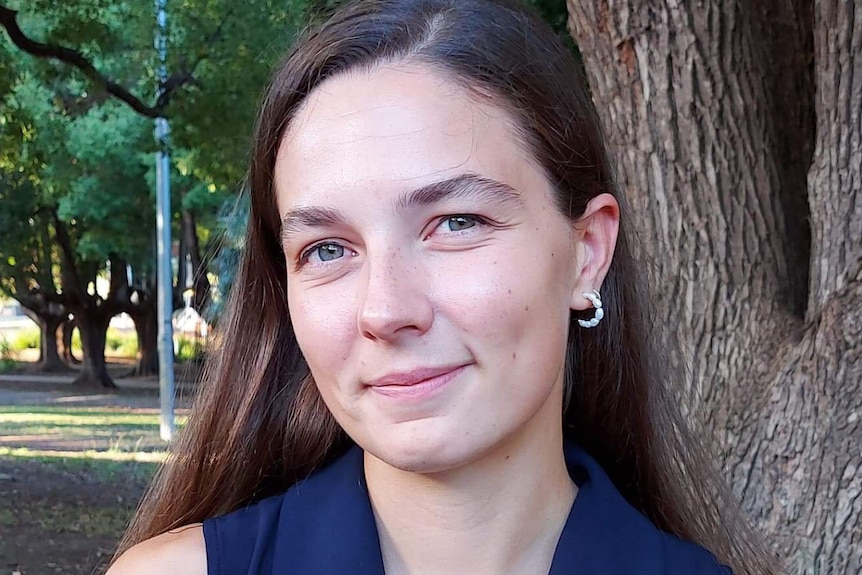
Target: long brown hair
(259,424)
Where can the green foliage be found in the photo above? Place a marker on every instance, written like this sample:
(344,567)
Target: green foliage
(83,171)
(213,119)
(77,346)
(121,343)
(7,355)
(26,338)
(68,149)
(25,256)
(188,349)
(105,193)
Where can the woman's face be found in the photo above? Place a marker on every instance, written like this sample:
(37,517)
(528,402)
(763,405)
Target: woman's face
(423,245)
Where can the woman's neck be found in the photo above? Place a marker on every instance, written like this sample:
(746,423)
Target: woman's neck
(501,514)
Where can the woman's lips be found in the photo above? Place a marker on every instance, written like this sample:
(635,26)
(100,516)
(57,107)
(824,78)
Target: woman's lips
(422,389)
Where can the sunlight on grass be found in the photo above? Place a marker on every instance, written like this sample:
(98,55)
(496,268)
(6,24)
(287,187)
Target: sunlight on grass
(110,466)
(49,420)
(63,416)
(82,432)
(90,454)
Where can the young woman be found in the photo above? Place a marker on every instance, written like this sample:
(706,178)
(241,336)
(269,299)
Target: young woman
(436,359)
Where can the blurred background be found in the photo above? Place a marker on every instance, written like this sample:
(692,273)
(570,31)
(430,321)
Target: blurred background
(736,129)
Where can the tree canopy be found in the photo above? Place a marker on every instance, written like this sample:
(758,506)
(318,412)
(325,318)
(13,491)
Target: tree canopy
(79,90)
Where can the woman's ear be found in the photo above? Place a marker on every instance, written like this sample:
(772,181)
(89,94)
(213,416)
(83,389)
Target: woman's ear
(596,235)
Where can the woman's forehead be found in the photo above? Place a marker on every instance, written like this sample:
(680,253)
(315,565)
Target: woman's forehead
(395,125)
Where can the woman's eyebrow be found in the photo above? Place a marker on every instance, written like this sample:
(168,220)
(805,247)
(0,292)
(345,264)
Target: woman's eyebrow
(467,185)
(305,217)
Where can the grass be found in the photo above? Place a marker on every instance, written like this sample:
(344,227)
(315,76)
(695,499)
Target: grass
(63,518)
(7,518)
(26,338)
(126,443)
(103,466)
(76,474)
(7,356)
(118,343)
(128,428)
(108,444)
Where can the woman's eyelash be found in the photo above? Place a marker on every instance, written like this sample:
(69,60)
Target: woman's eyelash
(303,257)
(478,219)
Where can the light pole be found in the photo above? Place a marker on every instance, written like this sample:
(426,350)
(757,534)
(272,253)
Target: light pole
(163,235)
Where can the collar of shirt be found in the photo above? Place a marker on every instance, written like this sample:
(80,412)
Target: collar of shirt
(328,527)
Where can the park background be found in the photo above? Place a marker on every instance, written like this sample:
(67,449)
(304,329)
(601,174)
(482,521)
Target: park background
(736,129)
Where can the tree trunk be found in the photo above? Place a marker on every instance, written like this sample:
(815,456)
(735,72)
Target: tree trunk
(709,109)
(49,356)
(147,327)
(94,370)
(192,271)
(48,318)
(68,330)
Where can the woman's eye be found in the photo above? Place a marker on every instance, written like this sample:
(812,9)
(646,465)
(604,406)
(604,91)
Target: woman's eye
(324,252)
(460,223)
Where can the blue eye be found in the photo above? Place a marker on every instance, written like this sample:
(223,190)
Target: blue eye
(326,252)
(460,223)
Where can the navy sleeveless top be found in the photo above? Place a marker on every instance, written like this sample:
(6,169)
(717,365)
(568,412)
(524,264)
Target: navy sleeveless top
(325,526)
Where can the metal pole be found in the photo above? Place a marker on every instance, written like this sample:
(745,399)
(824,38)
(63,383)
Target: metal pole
(163,229)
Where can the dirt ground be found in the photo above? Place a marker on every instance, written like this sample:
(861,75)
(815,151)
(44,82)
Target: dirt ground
(61,515)
(61,521)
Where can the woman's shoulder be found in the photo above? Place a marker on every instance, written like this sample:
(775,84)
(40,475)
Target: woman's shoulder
(180,551)
(227,541)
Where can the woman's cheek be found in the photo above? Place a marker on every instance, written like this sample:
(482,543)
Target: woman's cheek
(322,324)
(488,297)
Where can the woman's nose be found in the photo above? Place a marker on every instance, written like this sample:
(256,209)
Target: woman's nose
(395,301)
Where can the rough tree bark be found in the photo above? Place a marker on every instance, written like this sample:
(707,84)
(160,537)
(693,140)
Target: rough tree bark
(725,154)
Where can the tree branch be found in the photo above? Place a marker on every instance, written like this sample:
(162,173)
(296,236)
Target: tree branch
(8,18)
(69,271)
(187,75)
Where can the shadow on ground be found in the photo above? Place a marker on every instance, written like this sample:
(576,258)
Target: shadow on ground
(73,466)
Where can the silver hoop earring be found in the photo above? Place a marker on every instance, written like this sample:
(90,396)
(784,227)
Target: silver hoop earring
(596,299)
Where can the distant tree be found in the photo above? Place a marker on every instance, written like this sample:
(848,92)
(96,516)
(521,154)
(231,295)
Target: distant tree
(85,55)
(27,263)
(76,204)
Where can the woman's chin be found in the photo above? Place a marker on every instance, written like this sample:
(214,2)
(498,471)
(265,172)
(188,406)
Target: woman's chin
(426,454)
